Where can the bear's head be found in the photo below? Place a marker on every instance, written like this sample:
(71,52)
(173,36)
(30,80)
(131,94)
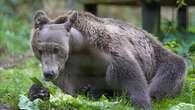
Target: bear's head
(50,44)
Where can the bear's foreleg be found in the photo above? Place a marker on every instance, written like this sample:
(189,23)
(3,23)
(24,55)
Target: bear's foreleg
(125,73)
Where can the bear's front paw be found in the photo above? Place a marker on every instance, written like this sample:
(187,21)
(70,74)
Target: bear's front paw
(89,91)
(38,91)
(143,102)
(158,95)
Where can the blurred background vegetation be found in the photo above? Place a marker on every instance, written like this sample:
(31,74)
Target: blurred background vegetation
(16,24)
(16,20)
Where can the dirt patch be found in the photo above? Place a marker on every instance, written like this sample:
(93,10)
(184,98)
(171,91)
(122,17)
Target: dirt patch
(14,60)
(2,50)
(5,107)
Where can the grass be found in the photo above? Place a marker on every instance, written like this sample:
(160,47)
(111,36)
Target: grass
(17,81)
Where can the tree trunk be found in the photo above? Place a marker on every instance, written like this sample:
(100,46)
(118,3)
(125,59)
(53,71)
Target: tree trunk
(182,18)
(151,16)
(91,8)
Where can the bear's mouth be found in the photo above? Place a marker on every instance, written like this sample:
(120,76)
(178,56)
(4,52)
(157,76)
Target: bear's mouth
(50,79)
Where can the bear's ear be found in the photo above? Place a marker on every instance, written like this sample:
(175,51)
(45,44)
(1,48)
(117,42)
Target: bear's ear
(73,16)
(59,20)
(70,20)
(40,18)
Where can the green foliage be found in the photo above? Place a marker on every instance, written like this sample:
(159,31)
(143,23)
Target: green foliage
(181,43)
(36,81)
(26,104)
(18,8)
(180,3)
(183,106)
(64,101)
(14,35)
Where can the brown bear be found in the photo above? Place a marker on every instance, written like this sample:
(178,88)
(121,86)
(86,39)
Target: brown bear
(117,56)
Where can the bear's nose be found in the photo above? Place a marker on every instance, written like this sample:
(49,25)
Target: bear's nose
(49,75)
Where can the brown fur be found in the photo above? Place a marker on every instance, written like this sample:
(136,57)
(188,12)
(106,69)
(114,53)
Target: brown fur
(136,62)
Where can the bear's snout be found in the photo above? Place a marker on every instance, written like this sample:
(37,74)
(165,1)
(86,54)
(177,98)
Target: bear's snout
(49,75)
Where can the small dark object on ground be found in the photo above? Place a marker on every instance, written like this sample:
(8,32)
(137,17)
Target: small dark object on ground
(38,91)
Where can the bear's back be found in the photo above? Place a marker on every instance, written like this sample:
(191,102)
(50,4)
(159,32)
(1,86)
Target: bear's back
(139,43)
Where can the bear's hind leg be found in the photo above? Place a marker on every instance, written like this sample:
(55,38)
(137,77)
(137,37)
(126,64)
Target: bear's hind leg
(169,78)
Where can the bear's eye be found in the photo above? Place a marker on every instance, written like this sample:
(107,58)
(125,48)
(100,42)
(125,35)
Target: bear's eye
(56,50)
